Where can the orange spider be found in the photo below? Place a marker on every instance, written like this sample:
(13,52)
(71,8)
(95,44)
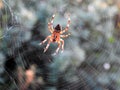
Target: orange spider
(56,36)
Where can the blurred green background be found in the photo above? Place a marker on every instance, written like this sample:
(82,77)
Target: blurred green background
(90,61)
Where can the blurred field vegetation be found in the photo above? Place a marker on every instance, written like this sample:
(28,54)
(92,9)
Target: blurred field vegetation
(90,61)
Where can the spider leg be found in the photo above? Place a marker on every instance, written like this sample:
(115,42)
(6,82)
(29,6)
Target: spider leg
(50,28)
(64,36)
(67,27)
(45,40)
(45,49)
(62,45)
(58,48)
(50,24)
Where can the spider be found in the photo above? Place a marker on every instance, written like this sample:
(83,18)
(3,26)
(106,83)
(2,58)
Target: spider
(56,35)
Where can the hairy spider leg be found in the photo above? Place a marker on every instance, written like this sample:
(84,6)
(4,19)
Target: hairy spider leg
(67,27)
(45,49)
(58,48)
(45,40)
(50,24)
(62,45)
(64,36)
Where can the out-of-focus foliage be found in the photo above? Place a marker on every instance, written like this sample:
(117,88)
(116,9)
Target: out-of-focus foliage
(90,60)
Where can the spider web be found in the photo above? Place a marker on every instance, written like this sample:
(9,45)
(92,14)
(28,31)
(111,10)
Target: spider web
(84,65)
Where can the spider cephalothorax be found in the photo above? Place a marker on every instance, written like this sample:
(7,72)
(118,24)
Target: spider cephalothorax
(56,35)
(58,28)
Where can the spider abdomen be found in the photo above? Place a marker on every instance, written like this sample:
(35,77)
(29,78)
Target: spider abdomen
(55,37)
